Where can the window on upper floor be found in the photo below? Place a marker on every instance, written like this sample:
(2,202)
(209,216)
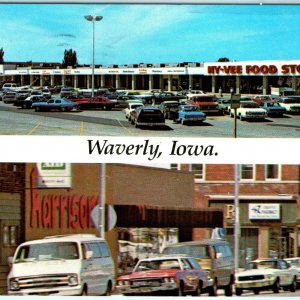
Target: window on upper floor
(247,172)
(197,169)
(174,166)
(272,172)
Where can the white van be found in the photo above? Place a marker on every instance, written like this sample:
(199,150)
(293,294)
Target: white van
(79,264)
(9,85)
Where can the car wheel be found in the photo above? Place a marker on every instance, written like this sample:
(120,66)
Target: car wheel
(108,290)
(84,291)
(198,290)
(180,291)
(37,108)
(182,121)
(276,286)
(256,291)
(213,290)
(24,105)
(63,109)
(231,115)
(293,286)
(238,291)
(229,290)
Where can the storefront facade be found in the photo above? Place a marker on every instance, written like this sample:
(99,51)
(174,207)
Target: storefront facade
(245,77)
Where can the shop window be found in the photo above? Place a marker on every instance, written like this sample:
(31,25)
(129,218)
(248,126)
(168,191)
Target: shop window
(272,172)
(174,166)
(247,172)
(9,235)
(197,169)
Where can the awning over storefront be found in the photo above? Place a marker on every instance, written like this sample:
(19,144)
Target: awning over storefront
(159,217)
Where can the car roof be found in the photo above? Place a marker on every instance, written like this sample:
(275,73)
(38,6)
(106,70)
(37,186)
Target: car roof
(165,256)
(200,242)
(64,238)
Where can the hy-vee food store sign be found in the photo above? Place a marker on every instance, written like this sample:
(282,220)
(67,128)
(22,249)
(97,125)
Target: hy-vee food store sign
(286,68)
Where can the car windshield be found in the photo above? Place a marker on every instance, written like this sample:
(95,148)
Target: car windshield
(249,105)
(161,264)
(261,265)
(198,251)
(47,251)
(273,104)
(189,108)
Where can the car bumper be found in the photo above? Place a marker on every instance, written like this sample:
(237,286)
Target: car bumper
(62,291)
(149,124)
(254,116)
(254,284)
(147,290)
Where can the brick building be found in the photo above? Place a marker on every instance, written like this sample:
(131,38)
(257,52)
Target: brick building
(275,188)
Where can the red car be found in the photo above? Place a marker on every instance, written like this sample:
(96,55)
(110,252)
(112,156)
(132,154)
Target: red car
(164,275)
(261,98)
(93,103)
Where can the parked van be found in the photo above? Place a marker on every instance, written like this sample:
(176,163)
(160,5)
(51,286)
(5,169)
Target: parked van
(215,256)
(9,85)
(62,265)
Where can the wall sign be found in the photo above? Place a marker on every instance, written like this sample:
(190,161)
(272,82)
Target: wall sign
(54,175)
(259,211)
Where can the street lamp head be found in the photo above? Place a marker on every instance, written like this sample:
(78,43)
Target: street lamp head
(91,18)
(98,18)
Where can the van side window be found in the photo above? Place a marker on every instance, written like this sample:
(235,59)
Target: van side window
(96,249)
(222,251)
(104,250)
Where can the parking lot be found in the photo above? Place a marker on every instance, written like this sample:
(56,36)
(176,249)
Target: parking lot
(18,121)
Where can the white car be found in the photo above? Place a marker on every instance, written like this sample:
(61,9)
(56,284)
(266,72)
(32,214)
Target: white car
(248,110)
(131,106)
(295,263)
(291,104)
(266,274)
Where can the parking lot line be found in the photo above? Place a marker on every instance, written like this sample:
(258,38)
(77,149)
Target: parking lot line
(128,130)
(34,128)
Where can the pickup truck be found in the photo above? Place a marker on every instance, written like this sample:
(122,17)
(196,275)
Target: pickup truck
(206,103)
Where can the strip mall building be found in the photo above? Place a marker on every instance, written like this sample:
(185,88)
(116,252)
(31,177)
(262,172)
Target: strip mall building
(244,77)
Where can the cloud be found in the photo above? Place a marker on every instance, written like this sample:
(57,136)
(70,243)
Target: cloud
(66,35)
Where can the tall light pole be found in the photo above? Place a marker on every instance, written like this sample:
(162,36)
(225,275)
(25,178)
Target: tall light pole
(93,19)
(237,229)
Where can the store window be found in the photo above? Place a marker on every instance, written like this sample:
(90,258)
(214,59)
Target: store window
(9,235)
(174,166)
(247,172)
(272,172)
(198,171)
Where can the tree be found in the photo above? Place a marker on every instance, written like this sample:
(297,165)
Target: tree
(1,56)
(224,59)
(70,58)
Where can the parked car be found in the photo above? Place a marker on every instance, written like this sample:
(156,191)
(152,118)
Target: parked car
(291,104)
(214,256)
(165,107)
(249,110)
(9,97)
(94,103)
(27,103)
(273,108)
(188,113)
(294,262)
(147,116)
(67,91)
(132,105)
(206,103)
(79,264)
(266,274)
(169,275)
(261,98)
(224,105)
(166,96)
(58,104)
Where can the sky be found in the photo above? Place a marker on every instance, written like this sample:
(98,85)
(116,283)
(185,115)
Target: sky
(152,33)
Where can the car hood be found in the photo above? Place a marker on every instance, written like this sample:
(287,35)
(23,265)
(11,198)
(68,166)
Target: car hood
(36,268)
(256,272)
(149,274)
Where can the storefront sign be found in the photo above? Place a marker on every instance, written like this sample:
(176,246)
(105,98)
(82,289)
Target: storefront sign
(54,175)
(264,211)
(244,68)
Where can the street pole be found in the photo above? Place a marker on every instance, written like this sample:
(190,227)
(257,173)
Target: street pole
(236,216)
(93,20)
(102,201)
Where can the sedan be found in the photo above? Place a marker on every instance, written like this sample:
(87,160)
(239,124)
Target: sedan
(131,106)
(174,274)
(295,263)
(189,114)
(58,104)
(266,274)
(273,108)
